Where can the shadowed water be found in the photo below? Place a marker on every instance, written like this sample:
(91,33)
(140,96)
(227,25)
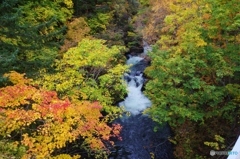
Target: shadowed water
(139,141)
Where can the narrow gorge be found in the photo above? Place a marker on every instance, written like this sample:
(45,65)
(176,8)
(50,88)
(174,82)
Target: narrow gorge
(138,138)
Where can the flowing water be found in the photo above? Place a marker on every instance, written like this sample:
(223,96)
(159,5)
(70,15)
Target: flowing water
(136,101)
(139,141)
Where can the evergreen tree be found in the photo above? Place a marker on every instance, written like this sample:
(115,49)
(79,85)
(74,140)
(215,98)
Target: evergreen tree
(30,33)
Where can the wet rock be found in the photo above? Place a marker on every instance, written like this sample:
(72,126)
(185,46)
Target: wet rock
(135,50)
(139,67)
(127,77)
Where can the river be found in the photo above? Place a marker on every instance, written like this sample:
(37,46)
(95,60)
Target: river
(139,140)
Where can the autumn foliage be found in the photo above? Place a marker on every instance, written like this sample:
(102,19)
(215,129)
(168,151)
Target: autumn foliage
(193,74)
(41,122)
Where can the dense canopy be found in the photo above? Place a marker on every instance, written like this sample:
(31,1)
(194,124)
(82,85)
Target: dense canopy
(62,64)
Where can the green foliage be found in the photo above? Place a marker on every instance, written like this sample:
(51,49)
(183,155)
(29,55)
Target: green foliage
(11,149)
(194,72)
(99,22)
(144,2)
(89,71)
(31,32)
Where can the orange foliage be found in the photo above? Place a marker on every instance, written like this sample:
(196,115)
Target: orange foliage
(154,18)
(47,123)
(77,30)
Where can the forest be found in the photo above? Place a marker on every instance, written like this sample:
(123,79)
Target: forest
(62,64)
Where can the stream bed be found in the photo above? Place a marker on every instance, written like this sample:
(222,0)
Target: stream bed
(139,140)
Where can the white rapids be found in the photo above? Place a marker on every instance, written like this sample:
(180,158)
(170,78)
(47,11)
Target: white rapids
(136,101)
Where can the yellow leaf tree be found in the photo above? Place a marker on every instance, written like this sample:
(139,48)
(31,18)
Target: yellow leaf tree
(44,124)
